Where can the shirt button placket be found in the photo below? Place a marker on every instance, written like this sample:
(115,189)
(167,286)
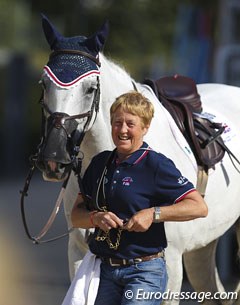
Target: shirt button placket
(115,181)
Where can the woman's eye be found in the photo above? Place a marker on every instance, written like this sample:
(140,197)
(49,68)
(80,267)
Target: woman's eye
(130,124)
(117,123)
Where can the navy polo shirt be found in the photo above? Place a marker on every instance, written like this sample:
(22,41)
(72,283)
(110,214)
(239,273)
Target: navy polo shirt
(146,179)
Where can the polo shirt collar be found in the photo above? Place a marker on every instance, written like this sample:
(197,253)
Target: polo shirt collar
(137,156)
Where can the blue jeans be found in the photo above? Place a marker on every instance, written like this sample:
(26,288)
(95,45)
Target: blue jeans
(138,284)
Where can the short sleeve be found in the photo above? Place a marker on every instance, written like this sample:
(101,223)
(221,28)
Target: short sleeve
(171,185)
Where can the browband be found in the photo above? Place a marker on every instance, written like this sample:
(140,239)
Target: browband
(75,52)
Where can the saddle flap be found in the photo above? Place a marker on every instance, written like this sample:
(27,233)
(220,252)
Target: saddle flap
(179,88)
(210,151)
(180,97)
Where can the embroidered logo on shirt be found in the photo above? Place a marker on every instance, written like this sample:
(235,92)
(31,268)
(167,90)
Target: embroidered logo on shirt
(182,180)
(126,181)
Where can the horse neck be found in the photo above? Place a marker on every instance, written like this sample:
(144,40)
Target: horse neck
(114,81)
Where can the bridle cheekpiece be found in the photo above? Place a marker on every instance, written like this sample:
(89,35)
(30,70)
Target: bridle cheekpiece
(59,122)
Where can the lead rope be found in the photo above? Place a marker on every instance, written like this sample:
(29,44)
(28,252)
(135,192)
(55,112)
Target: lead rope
(105,236)
(24,193)
(102,235)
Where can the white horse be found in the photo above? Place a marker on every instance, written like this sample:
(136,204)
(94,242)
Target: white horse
(69,93)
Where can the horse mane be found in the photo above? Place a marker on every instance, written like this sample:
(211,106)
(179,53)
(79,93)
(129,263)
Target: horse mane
(114,68)
(114,65)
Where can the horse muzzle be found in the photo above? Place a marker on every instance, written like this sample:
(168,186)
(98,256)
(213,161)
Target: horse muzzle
(56,155)
(53,171)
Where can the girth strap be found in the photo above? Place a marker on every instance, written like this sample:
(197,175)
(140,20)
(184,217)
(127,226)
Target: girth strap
(202,180)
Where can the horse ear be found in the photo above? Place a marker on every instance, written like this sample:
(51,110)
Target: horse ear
(51,33)
(96,42)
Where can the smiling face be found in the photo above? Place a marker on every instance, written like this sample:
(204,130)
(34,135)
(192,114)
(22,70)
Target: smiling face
(131,115)
(127,132)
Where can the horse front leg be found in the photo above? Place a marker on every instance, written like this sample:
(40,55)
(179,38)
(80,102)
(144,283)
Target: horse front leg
(203,275)
(237,228)
(77,248)
(202,272)
(175,276)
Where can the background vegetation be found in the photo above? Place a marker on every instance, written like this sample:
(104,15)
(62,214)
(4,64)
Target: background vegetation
(150,38)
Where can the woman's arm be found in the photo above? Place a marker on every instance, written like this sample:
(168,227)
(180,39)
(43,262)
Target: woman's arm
(190,207)
(83,218)
(80,216)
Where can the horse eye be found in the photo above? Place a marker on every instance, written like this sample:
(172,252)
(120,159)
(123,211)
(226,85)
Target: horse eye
(42,83)
(90,90)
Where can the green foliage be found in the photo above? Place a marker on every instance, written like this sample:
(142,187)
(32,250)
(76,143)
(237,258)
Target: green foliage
(140,30)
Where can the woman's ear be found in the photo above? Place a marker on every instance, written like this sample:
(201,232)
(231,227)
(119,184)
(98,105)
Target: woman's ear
(145,129)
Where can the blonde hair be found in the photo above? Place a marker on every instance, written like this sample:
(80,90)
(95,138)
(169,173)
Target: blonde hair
(136,104)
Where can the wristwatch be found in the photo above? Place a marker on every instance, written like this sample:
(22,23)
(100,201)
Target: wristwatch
(156,215)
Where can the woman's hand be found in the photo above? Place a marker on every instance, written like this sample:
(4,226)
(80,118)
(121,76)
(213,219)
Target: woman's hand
(141,221)
(83,218)
(106,220)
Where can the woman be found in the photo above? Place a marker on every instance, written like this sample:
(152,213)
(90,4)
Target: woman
(131,192)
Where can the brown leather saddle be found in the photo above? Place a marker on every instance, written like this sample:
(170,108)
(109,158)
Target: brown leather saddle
(180,97)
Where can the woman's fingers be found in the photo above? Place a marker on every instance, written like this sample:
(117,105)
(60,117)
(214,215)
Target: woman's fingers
(108,220)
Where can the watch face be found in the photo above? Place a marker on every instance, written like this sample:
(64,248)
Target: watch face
(157,213)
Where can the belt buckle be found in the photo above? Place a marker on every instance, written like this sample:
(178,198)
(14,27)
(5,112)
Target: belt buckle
(113,264)
(162,254)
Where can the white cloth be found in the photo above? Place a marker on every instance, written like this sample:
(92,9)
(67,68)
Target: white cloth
(84,286)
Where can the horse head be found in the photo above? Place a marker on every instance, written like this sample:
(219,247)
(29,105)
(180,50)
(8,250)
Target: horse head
(70,99)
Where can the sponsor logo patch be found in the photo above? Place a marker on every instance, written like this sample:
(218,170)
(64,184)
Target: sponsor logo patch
(127,181)
(182,180)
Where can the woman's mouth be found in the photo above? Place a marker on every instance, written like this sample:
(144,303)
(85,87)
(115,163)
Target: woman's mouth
(123,138)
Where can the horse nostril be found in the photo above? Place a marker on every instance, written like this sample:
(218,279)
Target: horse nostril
(59,121)
(52,165)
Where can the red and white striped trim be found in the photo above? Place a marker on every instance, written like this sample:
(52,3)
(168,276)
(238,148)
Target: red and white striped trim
(53,77)
(143,155)
(184,195)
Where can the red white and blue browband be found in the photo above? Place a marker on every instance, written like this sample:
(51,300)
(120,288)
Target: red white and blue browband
(72,83)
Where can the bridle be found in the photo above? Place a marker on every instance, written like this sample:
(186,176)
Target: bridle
(76,52)
(59,122)
(60,119)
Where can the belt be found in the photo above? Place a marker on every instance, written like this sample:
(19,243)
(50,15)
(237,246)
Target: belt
(118,262)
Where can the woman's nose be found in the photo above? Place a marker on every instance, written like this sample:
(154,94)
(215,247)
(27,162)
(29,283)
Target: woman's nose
(123,128)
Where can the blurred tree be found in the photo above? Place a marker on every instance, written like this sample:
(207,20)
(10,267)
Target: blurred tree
(14,24)
(139,29)
(142,36)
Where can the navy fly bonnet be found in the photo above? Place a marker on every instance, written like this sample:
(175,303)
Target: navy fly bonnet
(65,69)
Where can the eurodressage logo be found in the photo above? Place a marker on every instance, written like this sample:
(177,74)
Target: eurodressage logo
(182,180)
(126,181)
